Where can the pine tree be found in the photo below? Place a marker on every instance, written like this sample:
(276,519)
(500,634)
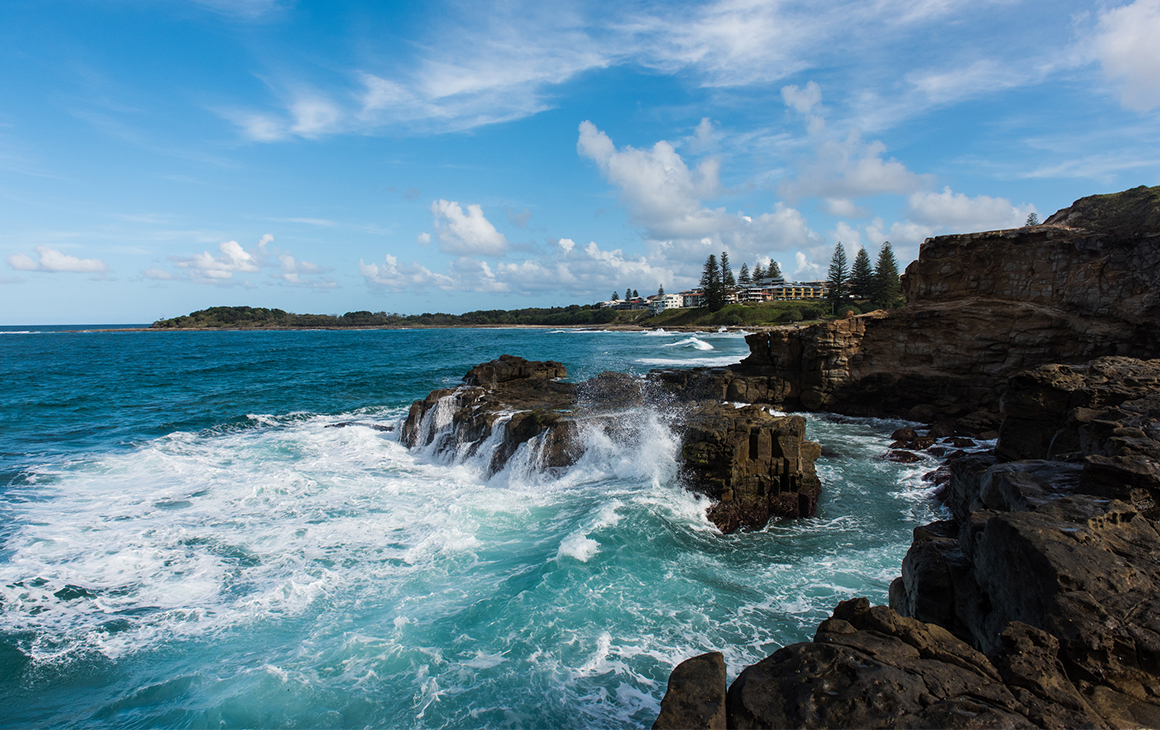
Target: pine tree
(727,281)
(635,294)
(887,288)
(616,296)
(743,278)
(862,275)
(627,294)
(758,272)
(1032,220)
(838,280)
(711,288)
(774,271)
(661,290)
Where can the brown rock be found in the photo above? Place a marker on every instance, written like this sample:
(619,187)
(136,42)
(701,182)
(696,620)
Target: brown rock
(756,465)
(695,697)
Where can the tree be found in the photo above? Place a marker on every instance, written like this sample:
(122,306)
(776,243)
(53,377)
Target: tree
(727,281)
(774,271)
(862,276)
(887,288)
(758,272)
(661,290)
(838,280)
(711,286)
(1032,220)
(627,294)
(743,278)
(635,294)
(615,296)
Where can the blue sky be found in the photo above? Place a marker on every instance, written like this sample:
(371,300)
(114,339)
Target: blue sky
(158,157)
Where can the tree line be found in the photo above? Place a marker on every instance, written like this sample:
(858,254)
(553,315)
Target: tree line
(879,283)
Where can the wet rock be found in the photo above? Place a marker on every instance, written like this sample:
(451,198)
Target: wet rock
(902,457)
(869,667)
(695,697)
(756,465)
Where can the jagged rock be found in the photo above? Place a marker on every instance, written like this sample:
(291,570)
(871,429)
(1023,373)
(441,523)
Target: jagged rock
(756,465)
(753,464)
(1058,559)
(1046,408)
(980,307)
(871,668)
(695,697)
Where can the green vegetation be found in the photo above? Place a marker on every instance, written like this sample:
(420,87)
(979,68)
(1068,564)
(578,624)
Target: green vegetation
(260,318)
(747,315)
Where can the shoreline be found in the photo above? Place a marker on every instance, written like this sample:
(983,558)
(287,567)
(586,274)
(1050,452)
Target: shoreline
(582,328)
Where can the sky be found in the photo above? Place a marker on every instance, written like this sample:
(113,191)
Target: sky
(163,156)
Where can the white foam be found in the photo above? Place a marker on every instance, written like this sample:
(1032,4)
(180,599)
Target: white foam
(710,362)
(693,342)
(578,547)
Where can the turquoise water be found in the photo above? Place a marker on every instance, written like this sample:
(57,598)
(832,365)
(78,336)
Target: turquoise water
(185,543)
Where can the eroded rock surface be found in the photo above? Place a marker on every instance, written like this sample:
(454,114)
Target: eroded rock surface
(980,307)
(754,465)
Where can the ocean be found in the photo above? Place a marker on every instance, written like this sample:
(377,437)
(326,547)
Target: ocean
(191,537)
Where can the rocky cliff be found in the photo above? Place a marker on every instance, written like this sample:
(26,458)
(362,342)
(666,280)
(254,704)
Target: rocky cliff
(980,307)
(1037,604)
(752,464)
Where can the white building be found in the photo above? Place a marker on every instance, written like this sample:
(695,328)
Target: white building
(661,302)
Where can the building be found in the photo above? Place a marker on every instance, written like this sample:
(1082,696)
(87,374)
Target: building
(661,302)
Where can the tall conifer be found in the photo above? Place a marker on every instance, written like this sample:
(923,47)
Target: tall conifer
(711,287)
(838,280)
(727,281)
(743,277)
(862,275)
(887,288)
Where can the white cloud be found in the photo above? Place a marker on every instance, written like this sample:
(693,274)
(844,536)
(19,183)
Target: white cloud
(1126,45)
(484,63)
(664,196)
(849,236)
(314,115)
(806,270)
(467,233)
(802,100)
(423,239)
(564,268)
(233,258)
(851,168)
(399,277)
(843,208)
(986,76)
(53,261)
(962,214)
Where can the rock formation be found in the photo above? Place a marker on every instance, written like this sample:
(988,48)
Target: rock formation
(754,465)
(1037,604)
(980,307)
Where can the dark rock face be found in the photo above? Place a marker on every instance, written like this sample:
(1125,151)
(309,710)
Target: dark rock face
(871,668)
(696,695)
(755,465)
(1066,551)
(980,307)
